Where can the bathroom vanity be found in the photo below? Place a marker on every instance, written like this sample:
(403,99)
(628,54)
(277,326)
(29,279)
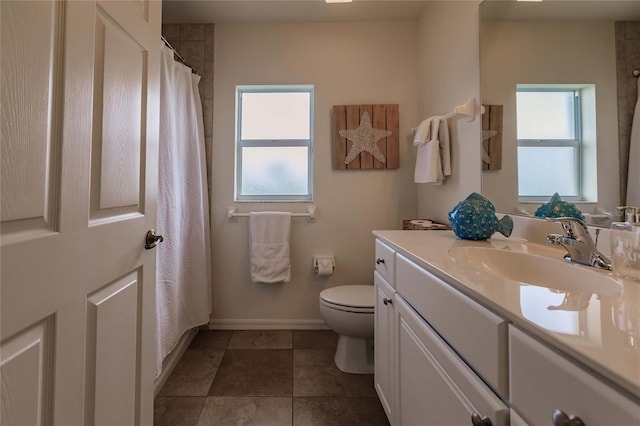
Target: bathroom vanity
(501,332)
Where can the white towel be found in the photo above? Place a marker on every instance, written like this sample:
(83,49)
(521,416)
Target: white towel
(445,148)
(269,246)
(433,160)
(423,133)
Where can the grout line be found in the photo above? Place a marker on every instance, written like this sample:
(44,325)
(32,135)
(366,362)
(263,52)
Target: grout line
(201,410)
(291,398)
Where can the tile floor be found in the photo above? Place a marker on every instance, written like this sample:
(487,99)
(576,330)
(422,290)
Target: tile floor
(273,377)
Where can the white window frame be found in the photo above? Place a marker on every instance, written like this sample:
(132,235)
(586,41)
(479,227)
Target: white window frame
(575,143)
(242,143)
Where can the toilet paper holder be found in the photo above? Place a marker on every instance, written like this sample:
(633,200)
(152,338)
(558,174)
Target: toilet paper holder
(320,263)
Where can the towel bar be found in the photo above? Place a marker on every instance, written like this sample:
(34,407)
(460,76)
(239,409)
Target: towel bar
(468,109)
(310,215)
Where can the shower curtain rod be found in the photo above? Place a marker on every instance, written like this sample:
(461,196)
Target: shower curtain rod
(177,55)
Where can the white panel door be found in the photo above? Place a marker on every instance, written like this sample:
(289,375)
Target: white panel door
(79,107)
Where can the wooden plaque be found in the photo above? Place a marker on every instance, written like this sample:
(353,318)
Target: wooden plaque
(492,136)
(353,117)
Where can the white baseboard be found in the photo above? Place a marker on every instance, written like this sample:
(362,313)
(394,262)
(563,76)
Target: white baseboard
(172,359)
(267,324)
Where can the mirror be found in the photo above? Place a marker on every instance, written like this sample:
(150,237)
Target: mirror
(556,43)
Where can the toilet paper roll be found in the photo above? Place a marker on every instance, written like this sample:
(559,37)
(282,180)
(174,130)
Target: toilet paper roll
(325,267)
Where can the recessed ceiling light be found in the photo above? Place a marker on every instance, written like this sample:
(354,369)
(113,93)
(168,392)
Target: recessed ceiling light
(338,1)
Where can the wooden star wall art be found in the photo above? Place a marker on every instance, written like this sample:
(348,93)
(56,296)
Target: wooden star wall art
(366,137)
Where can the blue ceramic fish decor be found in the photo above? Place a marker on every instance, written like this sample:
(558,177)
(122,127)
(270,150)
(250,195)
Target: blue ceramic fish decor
(475,219)
(558,208)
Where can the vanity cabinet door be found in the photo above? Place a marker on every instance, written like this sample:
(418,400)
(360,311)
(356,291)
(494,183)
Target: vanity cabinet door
(543,381)
(384,346)
(435,386)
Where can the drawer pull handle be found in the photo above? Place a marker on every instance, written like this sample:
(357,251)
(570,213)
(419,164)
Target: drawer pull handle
(387,301)
(479,420)
(379,261)
(559,418)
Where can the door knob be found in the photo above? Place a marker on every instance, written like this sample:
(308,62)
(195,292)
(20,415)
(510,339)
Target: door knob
(152,239)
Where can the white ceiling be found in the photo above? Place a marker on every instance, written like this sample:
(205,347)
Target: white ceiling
(226,11)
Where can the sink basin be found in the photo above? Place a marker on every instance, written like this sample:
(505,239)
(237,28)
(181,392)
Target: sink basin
(531,269)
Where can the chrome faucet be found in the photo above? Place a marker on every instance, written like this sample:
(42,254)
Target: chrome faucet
(578,243)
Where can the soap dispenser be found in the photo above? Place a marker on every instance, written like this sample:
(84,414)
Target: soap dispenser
(625,249)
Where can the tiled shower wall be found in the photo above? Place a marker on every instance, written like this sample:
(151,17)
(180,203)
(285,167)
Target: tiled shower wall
(627,59)
(194,42)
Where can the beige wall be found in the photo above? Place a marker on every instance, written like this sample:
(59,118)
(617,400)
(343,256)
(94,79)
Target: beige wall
(550,52)
(448,64)
(348,63)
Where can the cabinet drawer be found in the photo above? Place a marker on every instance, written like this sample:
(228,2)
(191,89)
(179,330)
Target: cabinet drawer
(478,335)
(542,381)
(385,262)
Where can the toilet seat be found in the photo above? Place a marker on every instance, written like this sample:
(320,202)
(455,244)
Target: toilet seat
(350,298)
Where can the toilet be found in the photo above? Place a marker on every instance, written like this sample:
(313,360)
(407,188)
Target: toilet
(348,310)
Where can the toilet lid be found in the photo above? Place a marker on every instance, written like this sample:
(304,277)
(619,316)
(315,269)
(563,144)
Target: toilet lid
(355,296)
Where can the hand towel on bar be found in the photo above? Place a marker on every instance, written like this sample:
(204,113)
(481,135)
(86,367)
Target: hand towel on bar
(445,148)
(269,246)
(433,160)
(423,133)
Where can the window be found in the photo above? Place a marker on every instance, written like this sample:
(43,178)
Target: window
(274,128)
(549,142)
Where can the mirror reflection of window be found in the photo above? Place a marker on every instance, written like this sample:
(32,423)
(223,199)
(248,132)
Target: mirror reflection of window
(547,114)
(552,152)
(535,303)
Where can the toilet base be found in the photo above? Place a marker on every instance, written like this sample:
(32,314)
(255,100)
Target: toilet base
(354,355)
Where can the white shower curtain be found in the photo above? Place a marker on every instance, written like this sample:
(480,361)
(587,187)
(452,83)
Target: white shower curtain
(183,260)
(633,178)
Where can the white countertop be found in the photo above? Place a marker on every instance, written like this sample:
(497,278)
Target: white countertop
(603,334)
